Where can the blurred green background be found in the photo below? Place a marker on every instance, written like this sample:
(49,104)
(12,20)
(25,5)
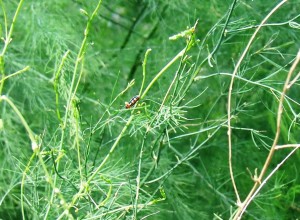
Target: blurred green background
(190,180)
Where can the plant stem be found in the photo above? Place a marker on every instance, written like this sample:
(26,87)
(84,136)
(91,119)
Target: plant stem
(229,100)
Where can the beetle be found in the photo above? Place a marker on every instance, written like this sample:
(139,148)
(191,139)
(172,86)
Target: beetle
(132,101)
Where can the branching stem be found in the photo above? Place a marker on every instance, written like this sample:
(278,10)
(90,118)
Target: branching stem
(230,96)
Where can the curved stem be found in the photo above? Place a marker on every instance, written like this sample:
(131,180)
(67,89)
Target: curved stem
(230,95)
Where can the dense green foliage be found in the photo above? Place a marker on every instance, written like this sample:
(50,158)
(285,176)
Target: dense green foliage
(69,149)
